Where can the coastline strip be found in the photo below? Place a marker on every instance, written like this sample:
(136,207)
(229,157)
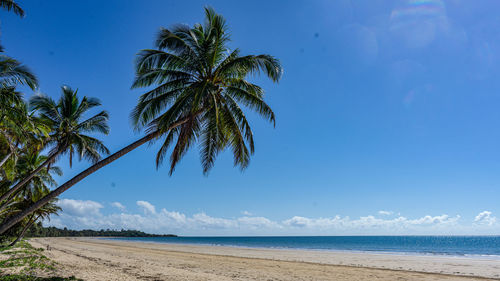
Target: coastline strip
(91,259)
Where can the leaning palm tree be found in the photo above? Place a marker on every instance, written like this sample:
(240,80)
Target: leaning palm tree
(39,183)
(68,131)
(200,89)
(43,213)
(37,188)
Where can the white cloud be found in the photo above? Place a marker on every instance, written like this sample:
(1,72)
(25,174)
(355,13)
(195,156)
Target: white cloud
(385,213)
(257,222)
(205,221)
(419,25)
(148,207)
(79,214)
(246,213)
(369,222)
(485,218)
(118,205)
(79,207)
(176,216)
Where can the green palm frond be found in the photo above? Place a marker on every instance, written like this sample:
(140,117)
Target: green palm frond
(10,5)
(41,182)
(13,73)
(67,126)
(199,90)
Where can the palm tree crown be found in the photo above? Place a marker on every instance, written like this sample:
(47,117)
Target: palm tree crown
(40,184)
(20,129)
(200,81)
(68,130)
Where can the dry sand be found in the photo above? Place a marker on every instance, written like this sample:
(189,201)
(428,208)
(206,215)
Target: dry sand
(98,259)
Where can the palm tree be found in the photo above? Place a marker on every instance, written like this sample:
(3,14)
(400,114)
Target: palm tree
(68,131)
(13,73)
(199,85)
(200,81)
(9,103)
(37,188)
(19,129)
(10,5)
(39,183)
(43,213)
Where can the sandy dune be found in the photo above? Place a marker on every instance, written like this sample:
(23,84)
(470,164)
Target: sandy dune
(95,259)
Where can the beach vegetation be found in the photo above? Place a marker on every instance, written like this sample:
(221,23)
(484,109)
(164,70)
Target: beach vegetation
(25,262)
(68,132)
(38,230)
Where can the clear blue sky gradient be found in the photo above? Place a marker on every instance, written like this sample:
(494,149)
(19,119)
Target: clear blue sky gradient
(383,105)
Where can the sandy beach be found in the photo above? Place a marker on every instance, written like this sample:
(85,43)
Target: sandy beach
(99,259)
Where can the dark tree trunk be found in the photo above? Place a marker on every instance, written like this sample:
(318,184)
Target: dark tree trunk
(56,192)
(30,223)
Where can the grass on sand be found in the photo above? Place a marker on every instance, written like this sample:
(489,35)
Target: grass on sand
(23,262)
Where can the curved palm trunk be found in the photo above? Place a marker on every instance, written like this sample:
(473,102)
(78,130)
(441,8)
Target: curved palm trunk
(7,195)
(30,223)
(5,158)
(56,192)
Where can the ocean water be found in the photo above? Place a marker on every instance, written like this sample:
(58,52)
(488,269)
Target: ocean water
(486,246)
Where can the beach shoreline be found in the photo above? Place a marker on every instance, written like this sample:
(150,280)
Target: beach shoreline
(94,258)
(337,251)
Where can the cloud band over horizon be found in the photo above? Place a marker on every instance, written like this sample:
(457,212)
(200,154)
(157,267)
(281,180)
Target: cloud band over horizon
(79,214)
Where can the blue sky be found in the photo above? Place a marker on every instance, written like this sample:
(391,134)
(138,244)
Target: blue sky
(383,106)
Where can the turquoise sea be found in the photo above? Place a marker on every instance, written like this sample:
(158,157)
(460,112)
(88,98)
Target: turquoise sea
(486,246)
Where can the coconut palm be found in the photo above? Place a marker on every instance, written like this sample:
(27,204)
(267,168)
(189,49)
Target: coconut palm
(13,73)
(19,128)
(43,213)
(200,81)
(37,188)
(32,192)
(8,98)
(68,131)
(68,127)
(9,104)
(39,183)
(200,89)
